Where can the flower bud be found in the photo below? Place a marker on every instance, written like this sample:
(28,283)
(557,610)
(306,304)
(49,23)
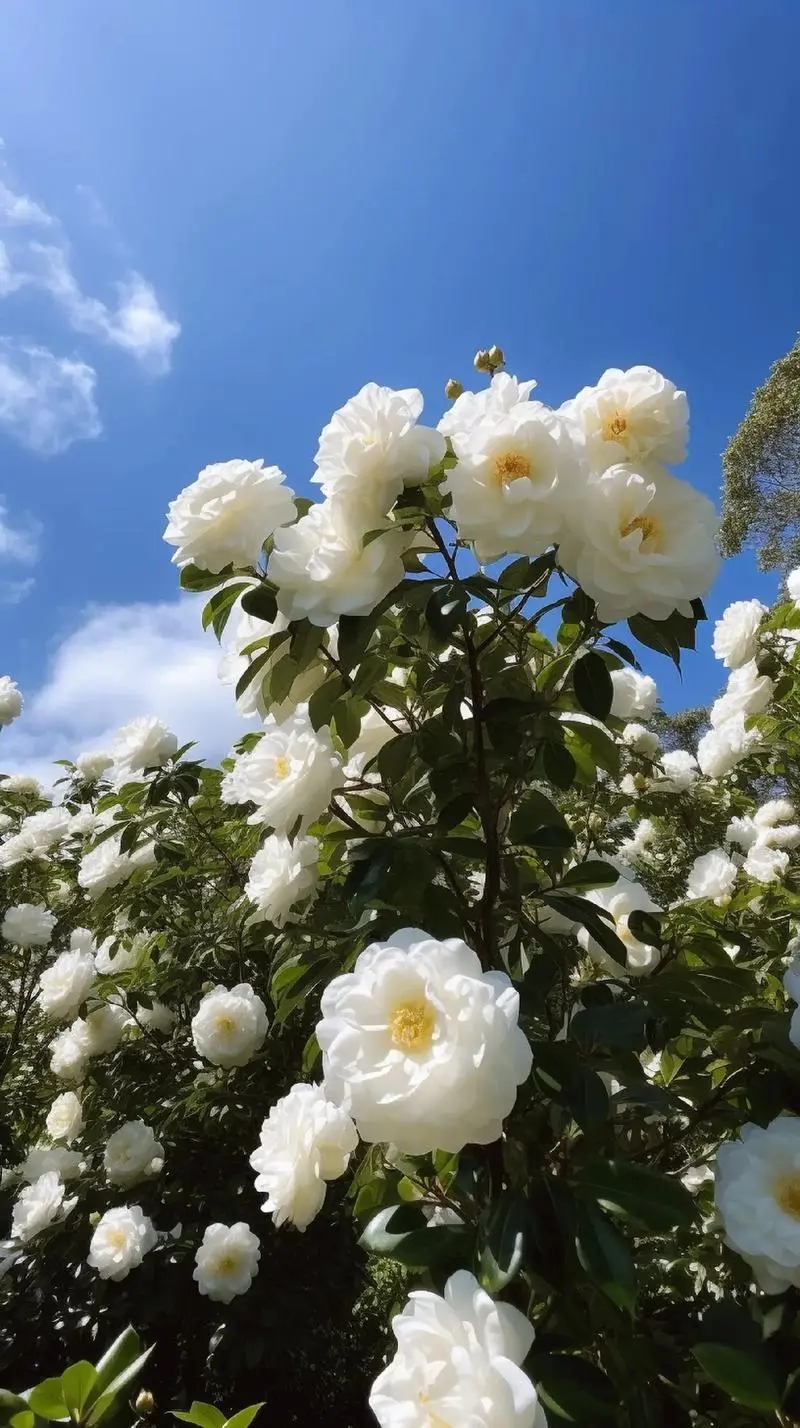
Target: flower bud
(481,361)
(145,1402)
(453,389)
(497,357)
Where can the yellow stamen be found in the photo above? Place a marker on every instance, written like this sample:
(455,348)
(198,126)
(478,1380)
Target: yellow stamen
(282,766)
(411,1025)
(118,1239)
(512,466)
(648,525)
(787,1194)
(615,427)
(226,1024)
(227,1263)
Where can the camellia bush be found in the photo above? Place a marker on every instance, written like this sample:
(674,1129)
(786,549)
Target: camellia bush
(434,1062)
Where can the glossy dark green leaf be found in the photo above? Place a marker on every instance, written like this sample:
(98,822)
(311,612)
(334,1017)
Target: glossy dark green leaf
(502,1241)
(592,684)
(594,873)
(446,609)
(747,1375)
(572,1389)
(559,765)
(657,1201)
(218,609)
(260,602)
(605,1255)
(322,702)
(193,578)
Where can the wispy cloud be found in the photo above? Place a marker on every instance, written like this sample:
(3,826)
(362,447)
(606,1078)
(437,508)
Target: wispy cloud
(19,545)
(46,402)
(19,209)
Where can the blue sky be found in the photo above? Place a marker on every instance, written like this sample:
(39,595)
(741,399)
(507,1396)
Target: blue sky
(332,192)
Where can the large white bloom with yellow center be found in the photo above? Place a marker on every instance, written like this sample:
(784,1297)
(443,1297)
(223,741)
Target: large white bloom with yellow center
(639,541)
(227,1261)
(291,773)
(323,568)
(224,517)
(631,416)
(620,900)
(757,1187)
(305,1142)
(515,481)
(229,1027)
(120,1242)
(421,1047)
(372,447)
(458,1362)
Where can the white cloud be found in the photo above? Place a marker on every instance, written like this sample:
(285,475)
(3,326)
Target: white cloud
(18,542)
(121,661)
(17,208)
(46,402)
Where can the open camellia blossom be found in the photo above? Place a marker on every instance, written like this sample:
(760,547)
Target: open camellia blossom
(282,874)
(458,1362)
(372,447)
(620,900)
(636,415)
(323,566)
(120,1242)
(28,925)
(38,1206)
(421,1047)
(291,773)
(224,517)
(227,1261)
(229,1027)
(132,1153)
(65,1118)
(757,1189)
(66,984)
(305,1142)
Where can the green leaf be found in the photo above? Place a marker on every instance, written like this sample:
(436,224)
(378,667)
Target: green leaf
(244,1417)
(23,1419)
(306,640)
(618,1026)
(260,603)
(403,1234)
(282,678)
(347,717)
(594,873)
(253,669)
(77,1383)
(503,1241)
(745,1374)
(589,915)
(592,684)
(637,1193)
(205,1415)
(605,1255)
(645,927)
(101,1405)
(559,765)
(446,609)
(322,701)
(654,634)
(193,578)
(572,1388)
(395,757)
(536,812)
(217,611)
(47,1400)
(560,1074)
(117,1357)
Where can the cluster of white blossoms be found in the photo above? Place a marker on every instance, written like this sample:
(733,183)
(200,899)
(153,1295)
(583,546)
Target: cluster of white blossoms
(619,901)
(421,1047)
(757,1188)
(106,866)
(736,643)
(291,773)
(305,1142)
(28,925)
(96,1034)
(11,702)
(230,1026)
(458,1361)
(765,838)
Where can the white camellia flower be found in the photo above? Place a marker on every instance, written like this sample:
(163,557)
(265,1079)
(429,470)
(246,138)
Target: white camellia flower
(84,822)
(515,482)
(291,773)
(641,740)
(421,1047)
(6,821)
(227,1261)
(639,843)
(469,409)
(105,867)
(132,1153)
(42,1159)
(229,1027)
(305,1142)
(15,850)
(736,634)
(372,447)
(44,831)
(635,695)
(67,983)
(224,517)
(639,541)
(458,1361)
(68,1056)
(766,865)
(636,415)
(793,585)
(113,956)
(158,1017)
(323,568)
(712,875)
(747,692)
(679,771)
(38,1206)
(620,900)
(281,875)
(120,1242)
(757,1189)
(21,783)
(11,701)
(28,925)
(102,1029)
(93,764)
(742,832)
(144,743)
(721,749)
(64,1120)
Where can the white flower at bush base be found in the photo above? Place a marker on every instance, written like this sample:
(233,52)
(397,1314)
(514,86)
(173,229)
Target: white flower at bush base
(421,1047)
(67,983)
(28,925)
(641,740)
(69,1164)
(38,1206)
(620,900)
(640,542)
(515,482)
(736,634)
(291,773)
(64,1120)
(229,1027)
(305,1142)
(373,446)
(92,764)
(634,695)
(132,1153)
(120,1242)
(631,416)
(503,394)
(323,568)
(224,517)
(679,772)
(144,743)
(11,701)
(712,875)
(227,1261)
(282,874)
(757,1190)
(458,1362)
(766,865)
